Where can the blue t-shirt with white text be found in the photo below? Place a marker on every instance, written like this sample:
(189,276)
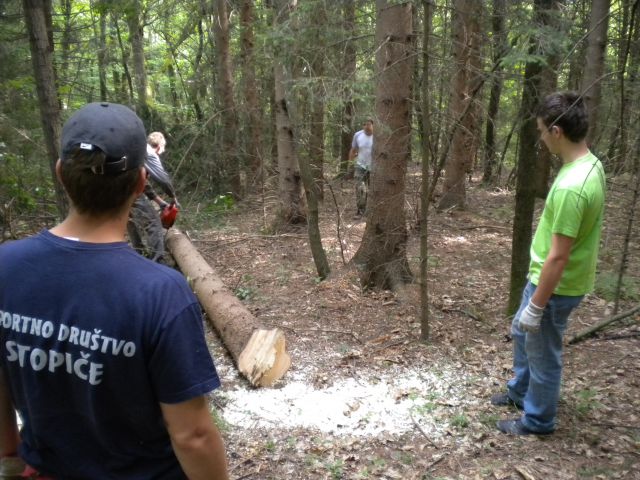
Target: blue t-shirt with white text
(92,338)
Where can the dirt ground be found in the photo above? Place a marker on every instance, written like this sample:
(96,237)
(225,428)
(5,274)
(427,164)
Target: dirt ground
(336,333)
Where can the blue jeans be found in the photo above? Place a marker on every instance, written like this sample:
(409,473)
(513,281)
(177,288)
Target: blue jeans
(537,362)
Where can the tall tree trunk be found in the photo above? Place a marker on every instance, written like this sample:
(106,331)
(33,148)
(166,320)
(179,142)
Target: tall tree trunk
(594,63)
(629,52)
(38,20)
(122,97)
(466,38)
(527,160)
(252,121)
(500,47)
(102,51)
(347,72)
(291,208)
(382,258)
(425,148)
(225,86)
(316,140)
(576,62)
(548,84)
(133,15)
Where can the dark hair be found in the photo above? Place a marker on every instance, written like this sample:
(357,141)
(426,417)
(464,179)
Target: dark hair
(568,111)
(92,193)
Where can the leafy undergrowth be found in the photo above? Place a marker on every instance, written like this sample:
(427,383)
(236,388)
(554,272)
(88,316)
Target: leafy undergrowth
(365,398)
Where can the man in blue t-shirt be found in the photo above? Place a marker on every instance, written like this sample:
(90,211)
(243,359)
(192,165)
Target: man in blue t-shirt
(102,352)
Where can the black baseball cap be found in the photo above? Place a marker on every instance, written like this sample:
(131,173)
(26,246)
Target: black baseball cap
(110,127)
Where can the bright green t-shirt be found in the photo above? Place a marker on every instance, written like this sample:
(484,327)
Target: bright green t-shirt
(574,208)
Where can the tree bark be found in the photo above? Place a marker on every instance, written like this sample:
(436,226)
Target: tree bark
(102,51)
(381,259)
(548,84)
(594,63)
(38,20)
(500,48)
(291,208)
(253,135)
(225,87)
(316,140)
(348,71)
(466,39)
(259,352)
(527,160)
(428,6)
(133,15)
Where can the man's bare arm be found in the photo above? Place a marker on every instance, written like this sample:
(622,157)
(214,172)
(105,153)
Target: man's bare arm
(552,269)
(196,439)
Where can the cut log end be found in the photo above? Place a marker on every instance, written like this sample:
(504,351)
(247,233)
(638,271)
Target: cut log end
(264,360)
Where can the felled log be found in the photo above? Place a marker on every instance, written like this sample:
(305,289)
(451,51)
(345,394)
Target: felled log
(259,352)
(586,333)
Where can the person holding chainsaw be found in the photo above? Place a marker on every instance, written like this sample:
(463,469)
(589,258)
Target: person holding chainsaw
(564,253)
(102,352)
(144,218)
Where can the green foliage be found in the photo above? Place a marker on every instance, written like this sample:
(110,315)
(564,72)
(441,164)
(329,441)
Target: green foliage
(208,213)
(22,188)
(336,469)
(606,283)
(244,291)
(220,422)
(459,420)
(587,401)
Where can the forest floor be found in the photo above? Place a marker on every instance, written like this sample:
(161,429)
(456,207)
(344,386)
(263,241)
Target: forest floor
(365,398)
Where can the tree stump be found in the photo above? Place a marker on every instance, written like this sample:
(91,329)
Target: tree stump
(259,352)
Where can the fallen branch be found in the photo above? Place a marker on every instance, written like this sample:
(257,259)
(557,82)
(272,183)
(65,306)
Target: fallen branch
(258,352)
(599,326)
(424,434)
(495,227)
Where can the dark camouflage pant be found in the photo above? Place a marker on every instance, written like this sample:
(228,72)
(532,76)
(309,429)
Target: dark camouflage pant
(145,229)
(361,176)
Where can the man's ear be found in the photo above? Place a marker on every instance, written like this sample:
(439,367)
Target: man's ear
(58,168)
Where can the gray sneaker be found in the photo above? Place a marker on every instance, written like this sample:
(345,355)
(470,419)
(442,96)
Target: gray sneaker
(515,427)
(504,400)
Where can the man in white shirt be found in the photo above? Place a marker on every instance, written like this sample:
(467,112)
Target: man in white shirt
(361,150)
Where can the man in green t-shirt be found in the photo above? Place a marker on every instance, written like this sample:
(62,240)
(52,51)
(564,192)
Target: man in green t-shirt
(564,252)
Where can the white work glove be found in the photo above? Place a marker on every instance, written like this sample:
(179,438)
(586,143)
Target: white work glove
(530,318)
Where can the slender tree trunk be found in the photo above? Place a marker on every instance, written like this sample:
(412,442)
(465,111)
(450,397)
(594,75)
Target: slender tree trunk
(630,52)
(576,65)
(348,71)
(466,38)
(527,160)
(548,84)
(594,63)
(500,48)
(225,87)
(65,42)
(125,66)
(133,15)
(252,121)
(382,258)
(316,140)
(428,6)
(291,209)
(102,53)
(39,26)
(624,257)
